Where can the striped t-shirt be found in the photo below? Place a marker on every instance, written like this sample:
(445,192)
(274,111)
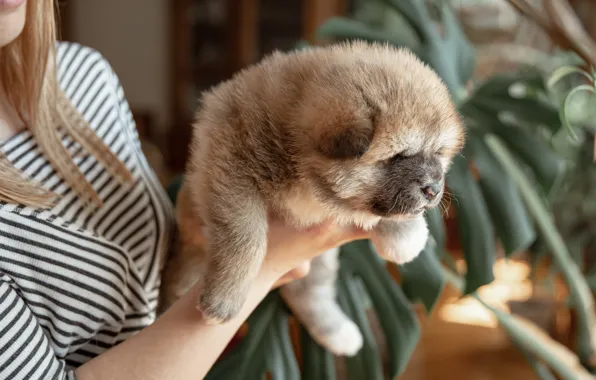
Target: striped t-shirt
(75,281)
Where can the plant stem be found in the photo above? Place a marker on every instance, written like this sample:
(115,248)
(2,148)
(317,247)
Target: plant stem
(578,288)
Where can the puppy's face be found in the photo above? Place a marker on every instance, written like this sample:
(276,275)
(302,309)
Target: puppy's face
(383,132)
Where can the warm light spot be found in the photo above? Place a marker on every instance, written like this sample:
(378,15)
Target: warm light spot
(508,270)
(469,314)
(511,284)
(501,292)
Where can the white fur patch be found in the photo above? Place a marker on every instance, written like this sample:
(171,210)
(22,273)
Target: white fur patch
(345,341)
(403,246)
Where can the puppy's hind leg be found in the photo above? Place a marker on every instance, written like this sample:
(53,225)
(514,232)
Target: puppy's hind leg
(236,244)
(313,301)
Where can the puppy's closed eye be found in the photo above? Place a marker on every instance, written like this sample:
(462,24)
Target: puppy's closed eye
(351,142)
(395,158)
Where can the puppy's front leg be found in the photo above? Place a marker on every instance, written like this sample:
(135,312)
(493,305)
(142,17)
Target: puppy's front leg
(236,241)
(400,241)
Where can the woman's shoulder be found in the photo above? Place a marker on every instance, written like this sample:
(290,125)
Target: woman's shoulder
(76,64)
(66,50)
(92,85)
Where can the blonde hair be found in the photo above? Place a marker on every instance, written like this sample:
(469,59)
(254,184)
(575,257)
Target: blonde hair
(29,80)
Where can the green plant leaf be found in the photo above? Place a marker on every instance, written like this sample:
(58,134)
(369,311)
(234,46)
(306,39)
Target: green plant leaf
(317,363)
(541,370)
(505,206)
(339,28)
(173,188)
(423,278)
(380,15)
(579,290)
(293,370)
(366,364)
(443,59)
(436,227)
(500,83)
(564,71)
(459,43)
(591,280)
(226,367)
(452,57)
(531,149)
(394,311)
(371,12)
(253,356)
(396,24)
(545,165)
(418,18)
(563,111)
(266,347)
(494,97)
(275,359)
(475,228)
(281,360)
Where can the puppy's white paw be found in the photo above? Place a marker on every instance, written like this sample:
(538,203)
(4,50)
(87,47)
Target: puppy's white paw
(401,242)
(404,250)
(344,341)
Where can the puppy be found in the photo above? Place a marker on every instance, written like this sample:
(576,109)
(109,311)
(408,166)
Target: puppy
(361,133)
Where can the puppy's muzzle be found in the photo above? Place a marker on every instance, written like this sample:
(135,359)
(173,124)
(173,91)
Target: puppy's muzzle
(432,191)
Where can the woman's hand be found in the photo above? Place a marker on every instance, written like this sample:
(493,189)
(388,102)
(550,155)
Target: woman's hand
(290,250)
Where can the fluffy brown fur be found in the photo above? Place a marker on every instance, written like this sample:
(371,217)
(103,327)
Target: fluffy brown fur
(356,132)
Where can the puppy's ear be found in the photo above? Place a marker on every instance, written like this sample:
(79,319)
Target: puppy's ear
(347,143)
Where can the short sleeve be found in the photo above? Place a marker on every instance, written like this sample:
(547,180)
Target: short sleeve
(92,64)
(26,352)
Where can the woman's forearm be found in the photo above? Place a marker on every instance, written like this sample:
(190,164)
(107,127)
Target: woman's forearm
(179,345)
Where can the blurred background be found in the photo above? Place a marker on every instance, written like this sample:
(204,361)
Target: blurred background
(166,52)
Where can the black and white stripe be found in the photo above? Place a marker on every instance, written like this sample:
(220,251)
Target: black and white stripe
(76,281)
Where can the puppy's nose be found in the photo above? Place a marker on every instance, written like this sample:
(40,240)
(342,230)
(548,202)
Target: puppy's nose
(431,191)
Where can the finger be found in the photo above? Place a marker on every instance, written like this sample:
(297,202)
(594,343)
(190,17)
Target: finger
(295,274)
(281,282)
(345,235)
(301,271)
(286,279)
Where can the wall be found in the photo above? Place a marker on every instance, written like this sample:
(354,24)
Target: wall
(134,36)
